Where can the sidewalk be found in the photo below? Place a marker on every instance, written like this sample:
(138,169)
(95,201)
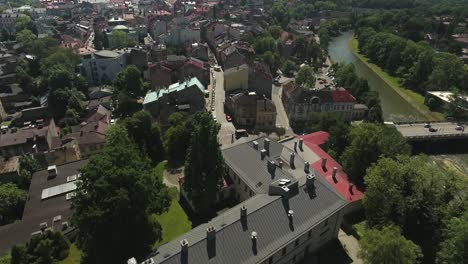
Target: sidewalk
(351,245)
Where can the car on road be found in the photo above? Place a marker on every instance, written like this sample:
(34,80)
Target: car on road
(217,68)
(241,133)
(212,109)
(427,125)
(228,118)
(459,128)
(214,117)
(432,129)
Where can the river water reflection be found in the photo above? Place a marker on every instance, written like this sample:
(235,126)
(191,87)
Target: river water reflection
(394,107)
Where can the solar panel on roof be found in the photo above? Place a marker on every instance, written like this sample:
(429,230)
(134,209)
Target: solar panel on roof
(58,190)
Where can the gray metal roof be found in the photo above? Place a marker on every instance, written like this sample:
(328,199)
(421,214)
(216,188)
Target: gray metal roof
(246,161)
(267,215)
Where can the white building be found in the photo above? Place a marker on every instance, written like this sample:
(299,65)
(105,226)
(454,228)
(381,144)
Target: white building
(102,66)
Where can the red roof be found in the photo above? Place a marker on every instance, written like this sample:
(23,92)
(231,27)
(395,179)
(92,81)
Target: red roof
(313,142)
(342,96)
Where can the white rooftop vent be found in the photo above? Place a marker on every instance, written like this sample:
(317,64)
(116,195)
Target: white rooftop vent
(72,178)
(43,225)
(286,189)
(57,218)
(52,172)
(132,261)
(33,234)
(70,195)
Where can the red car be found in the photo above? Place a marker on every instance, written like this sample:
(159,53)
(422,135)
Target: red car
(228,118)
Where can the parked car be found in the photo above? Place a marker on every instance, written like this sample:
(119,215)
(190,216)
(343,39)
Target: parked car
(433,129)
(459,128)
(228,118)
(217,68)
(427,125)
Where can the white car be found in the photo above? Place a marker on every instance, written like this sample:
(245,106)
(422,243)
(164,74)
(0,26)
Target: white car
(217,68)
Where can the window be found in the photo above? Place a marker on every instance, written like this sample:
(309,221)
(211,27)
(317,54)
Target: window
(238,181)
(296,243)
(283,252)
(250,193)
(270,260)
(245,188)
(326,222)
(309,234)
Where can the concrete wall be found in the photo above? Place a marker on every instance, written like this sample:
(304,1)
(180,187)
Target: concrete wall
(237,79)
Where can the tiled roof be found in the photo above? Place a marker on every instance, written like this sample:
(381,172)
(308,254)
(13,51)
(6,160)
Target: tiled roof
(313,142)
(342,96)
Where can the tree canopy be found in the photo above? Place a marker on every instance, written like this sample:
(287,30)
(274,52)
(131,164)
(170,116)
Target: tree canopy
(13,199)
(48,247)
(368,142)
(415,195)
(204,164)
(128,86)
(455,240)
(117,194)
(305,77)
(388,246)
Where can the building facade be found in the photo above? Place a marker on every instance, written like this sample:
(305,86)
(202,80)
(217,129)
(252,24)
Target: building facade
(250,110)
(186,96)
(236,78)
(286,211)
(300,102)
(101,67)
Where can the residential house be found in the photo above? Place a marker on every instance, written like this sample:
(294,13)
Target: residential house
(287,210)
(48,206)
(250,110)
(31,139)
(188,95)
(260,79)
(198,50)
(9,170)
(7,21)
(102,66)
(236,78)
(90,135)
(300,102)
(175,68)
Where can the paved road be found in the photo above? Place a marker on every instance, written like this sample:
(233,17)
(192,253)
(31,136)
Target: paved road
(281,117)
(418,130)
(227,128)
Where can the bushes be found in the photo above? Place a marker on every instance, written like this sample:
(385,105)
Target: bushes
(47,247)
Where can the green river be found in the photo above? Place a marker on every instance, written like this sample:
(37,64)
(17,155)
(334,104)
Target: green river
(394,107)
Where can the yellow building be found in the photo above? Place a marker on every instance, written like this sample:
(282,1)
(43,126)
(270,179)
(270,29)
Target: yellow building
(236,78)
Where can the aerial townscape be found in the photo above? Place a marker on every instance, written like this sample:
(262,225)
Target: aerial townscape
(233,131)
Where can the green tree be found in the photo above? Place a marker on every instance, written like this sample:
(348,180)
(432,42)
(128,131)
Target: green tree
(146,135)
(25,37)
(305,77)
(118,38)
(48,247)
(453,249)
(12,203)
(204,164)
(129,82)
(117,194)
(414,194)
(288,67)
(28,165)
(275,31)
(177,138)
(25,22)
(388,246)
(367,143)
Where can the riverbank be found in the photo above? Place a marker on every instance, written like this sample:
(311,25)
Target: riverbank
(413,98)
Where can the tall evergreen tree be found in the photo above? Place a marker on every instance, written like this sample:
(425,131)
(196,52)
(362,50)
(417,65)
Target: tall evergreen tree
(117,195)
(204,164)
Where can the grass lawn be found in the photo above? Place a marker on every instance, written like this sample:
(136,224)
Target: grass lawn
(174,222)
(415,99)
(73,257)
(360,227)
(159,169)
